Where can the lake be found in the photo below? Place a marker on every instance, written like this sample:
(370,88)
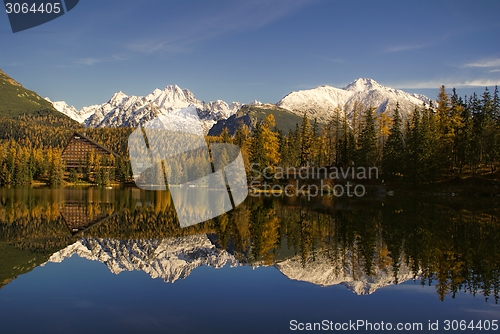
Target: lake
(82,260)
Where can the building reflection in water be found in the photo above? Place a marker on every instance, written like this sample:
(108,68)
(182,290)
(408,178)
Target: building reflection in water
(363,245)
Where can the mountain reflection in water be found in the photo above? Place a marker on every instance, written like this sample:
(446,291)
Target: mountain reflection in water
(363,245)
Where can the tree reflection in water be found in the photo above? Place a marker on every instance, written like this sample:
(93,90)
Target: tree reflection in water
(364,244)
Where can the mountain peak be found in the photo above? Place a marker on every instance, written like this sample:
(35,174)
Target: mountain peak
(118,98)
(362,84)
(172,88)
(124,110)
(322,102)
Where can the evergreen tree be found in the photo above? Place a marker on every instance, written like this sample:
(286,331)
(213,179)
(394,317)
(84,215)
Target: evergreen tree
(242,138)
(427,169)
(73,175)
(413,167)
(479,124)
(347,143)
(367,152)
(464,146)
(445,131)
(315,157)
(225,138)
(258,156)
(393,153)
(56,167)
(306,141)
(333,133)
(297,145)
(496,105)
(283,148)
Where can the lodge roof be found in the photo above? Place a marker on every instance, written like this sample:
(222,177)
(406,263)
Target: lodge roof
(78,134)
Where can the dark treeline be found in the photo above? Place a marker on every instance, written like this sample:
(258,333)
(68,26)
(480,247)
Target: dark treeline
(456,136)
(31,146)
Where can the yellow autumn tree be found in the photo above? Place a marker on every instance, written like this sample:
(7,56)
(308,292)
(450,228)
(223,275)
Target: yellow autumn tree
(271,141)
(383,123)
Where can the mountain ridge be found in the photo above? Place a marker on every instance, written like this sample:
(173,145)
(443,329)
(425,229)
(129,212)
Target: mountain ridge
(15,100)
(125,110)
(320,103)
(168,259)
(175,258)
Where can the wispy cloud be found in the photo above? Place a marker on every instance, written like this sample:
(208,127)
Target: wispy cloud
(233,18)
(450,83)
(15,63)
(150,46)
(492,62)
(406,47)
(90,61)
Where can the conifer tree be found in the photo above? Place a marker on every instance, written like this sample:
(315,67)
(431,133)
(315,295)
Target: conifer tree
(225,138)
(445,130)
(258,159)
(490,135)
(413,167)
(297,145)
(270,142)
(465,138)
(427,169)
(367,152)
(333,134)
(242,138)
(283,148)
(73,175)
(315,158)
(56,167)
(393,153)
(478,127)
(306,141)
(496,105)
(347,143)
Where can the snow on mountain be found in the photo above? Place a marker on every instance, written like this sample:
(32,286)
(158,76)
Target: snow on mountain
(169,259)
(185,120)
(175,258)
(71,112)
(124,110)
(321,102)
(320,271)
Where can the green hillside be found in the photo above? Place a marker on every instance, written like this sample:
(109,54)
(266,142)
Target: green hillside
(249,115)
(15,100)
(285,120)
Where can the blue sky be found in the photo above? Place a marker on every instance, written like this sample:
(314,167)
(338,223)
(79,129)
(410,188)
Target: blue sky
(245,50)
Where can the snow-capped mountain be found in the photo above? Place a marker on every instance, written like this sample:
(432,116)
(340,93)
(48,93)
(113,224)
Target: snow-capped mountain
(321,271)
(71,112)
(169,259)
(321,102)
(124,110)
(175,258)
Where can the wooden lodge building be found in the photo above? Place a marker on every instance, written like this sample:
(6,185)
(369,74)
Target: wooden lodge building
(79,148)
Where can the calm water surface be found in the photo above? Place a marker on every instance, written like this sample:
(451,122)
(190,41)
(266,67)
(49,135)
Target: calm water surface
(116,261)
